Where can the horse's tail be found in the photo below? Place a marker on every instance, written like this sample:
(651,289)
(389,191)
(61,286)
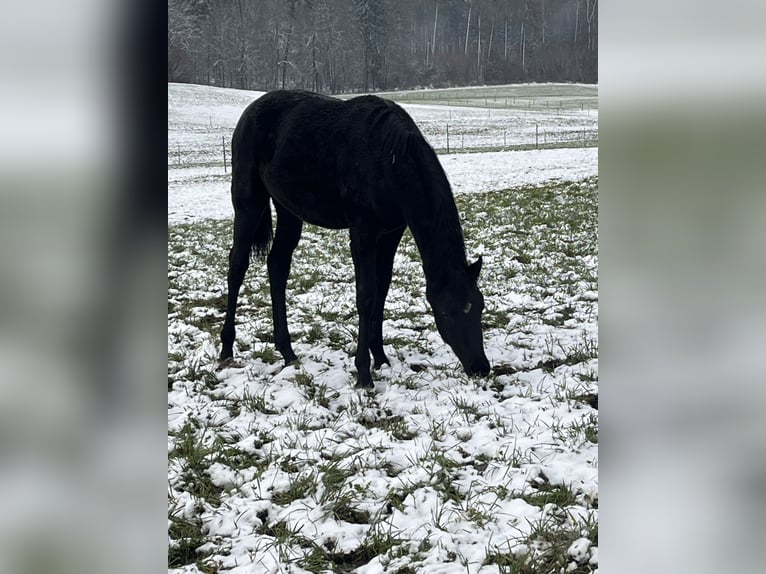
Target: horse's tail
(248,193)
(263,234)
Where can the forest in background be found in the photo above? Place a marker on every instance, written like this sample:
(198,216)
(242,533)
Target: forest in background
(337,46)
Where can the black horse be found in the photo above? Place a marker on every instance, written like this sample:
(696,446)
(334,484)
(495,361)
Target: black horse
(361,165)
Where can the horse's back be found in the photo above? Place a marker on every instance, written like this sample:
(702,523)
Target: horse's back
(264,119)
(326,160)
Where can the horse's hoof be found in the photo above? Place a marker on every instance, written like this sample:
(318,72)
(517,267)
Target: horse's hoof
(362,385)
(228,363)
(378,364)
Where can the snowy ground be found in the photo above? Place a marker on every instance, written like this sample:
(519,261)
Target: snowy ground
(276,469)
(197,122)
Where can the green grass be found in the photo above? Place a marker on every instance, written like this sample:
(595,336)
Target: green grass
(267,354)
(545,548)
(195,457)
(326,449)
(559,495)
(187,537)
(256,403)
(301,486)
(398,427)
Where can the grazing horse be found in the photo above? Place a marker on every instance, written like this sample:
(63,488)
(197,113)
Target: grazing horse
(361,165)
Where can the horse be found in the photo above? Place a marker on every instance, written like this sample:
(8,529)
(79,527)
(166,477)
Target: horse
(363,165)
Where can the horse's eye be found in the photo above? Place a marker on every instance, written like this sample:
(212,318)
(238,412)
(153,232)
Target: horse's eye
(467,307)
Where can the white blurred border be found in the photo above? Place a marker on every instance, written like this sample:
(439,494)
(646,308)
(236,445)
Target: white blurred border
(682,277)
(82,439)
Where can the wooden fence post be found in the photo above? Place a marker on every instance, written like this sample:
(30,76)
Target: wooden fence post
(223,146)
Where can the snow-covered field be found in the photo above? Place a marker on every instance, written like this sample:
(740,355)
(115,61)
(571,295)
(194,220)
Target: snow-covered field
(198,120)
(276,469)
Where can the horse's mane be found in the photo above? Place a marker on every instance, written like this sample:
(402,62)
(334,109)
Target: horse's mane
(402,139)
(400,134)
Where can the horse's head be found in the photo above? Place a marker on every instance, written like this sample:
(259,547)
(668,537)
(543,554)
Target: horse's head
(457,307)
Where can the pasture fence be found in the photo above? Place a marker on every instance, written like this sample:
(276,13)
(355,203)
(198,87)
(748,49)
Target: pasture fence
(223,146)
(544,137)
(444,140)
(478,98)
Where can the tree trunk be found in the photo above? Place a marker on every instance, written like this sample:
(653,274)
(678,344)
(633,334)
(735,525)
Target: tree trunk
(314,83)
(467,29)
(478,53)
(590,16)
(523,50)
(242,50)
(505,44)
(287,42)
(427,45)
(436,19)
(577,20)
(276,51)
(491,33)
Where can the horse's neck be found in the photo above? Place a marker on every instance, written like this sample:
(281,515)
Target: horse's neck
(439,238)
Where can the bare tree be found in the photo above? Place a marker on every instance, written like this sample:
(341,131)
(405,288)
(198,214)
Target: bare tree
(467,29)
(479,76)
(369,14)
(288,36)
(491,33)
(505,42)
(436,19)
(342,45)
(523,47)
(591,15)
(577,20)
(182,30)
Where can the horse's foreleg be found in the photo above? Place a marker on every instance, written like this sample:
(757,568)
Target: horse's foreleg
(363,251)
(285,241)
(239,260)
(386,249)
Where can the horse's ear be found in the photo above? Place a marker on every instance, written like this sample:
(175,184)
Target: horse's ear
(474,269)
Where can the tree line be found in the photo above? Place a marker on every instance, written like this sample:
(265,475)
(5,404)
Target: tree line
(337,46)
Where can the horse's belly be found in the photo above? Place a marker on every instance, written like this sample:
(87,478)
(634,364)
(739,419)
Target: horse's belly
(323,199)
(313,204)
(320,218)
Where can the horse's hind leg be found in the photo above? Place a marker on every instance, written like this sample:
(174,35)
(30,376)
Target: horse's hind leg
(245,225)
(386,249)
(285,240)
